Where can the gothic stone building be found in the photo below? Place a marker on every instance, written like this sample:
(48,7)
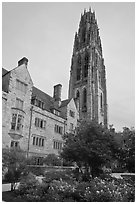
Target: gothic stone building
(31,119)
(36,121)
(87,83)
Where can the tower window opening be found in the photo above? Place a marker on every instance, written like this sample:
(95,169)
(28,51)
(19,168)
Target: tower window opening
(77,99)
(84,35)
(84,107)
(77,95)
(101,101)
(78,68)
(78,73)
(86,65)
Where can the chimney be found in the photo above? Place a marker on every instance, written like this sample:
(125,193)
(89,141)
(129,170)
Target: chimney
(57,95)
(24,60)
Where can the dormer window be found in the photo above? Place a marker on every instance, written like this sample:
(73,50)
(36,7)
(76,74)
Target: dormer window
(37,102)
(56,112)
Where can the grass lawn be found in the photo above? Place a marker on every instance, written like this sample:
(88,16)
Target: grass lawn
(9,196)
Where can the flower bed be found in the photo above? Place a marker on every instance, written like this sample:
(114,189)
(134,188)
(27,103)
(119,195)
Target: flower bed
(65,190)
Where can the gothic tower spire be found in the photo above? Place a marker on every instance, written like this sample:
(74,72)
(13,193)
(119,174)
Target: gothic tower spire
(87,83)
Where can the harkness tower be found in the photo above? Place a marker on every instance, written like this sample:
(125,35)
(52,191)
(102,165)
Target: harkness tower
(87,83)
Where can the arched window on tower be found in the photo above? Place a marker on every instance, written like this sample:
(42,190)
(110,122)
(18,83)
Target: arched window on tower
(84,35)
(77,95)
(101,101)
(84,107)
(78,70)
(86,63)
(77,100)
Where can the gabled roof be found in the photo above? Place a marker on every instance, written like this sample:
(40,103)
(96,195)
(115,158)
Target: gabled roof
(4,71)
(5,80)
(48,100)
(65,102)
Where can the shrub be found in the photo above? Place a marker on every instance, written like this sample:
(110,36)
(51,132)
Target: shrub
(65,175)
(36,170)
(27,184)
(52,160)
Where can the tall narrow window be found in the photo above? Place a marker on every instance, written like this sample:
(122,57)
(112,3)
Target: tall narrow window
(84,100)
(13,123)
(37,141)
(84,96)
(77,95)
(17,122)
(33,140)
(42,142)
(77,99)
(101,101)
(84,34)
(78,71)
(86,63)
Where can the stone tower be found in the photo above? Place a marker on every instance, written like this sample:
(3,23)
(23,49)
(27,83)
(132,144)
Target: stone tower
(87,83)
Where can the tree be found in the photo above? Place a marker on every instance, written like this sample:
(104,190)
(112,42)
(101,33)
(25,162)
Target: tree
(14,161)
(91,147)
(126,156)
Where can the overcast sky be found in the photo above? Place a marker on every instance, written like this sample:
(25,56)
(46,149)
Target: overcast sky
(44,33)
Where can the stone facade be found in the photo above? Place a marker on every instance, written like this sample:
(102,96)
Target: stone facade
(31,119)
(87,83)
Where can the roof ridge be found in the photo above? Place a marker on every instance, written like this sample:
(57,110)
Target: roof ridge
(42,91)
